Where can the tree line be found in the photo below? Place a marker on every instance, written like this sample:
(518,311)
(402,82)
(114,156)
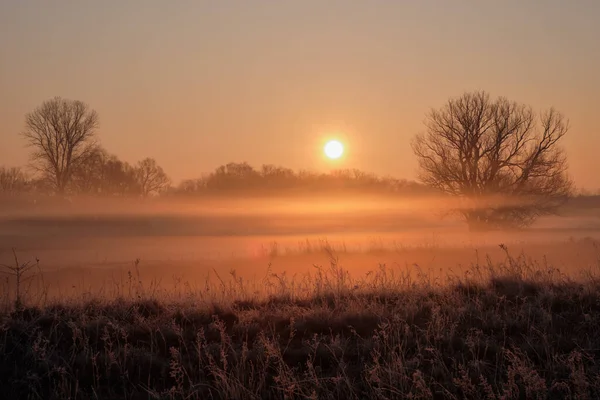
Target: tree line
(104,174)
(67,159)
(98,173)
(475,148)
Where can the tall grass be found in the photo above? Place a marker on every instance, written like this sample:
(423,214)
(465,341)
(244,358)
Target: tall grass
(513,329)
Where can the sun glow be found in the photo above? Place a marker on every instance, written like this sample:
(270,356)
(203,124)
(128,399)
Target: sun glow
(334,149)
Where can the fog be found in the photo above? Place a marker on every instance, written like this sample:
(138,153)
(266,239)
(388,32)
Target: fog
(290,233)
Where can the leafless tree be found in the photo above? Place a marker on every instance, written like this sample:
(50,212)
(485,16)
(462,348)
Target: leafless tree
(61,132)
(88,176)
(13,180)
(500,156)
(151,178)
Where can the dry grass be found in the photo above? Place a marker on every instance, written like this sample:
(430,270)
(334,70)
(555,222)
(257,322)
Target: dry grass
(500,330)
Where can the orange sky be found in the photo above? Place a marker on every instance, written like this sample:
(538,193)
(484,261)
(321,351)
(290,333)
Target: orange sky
(196,84)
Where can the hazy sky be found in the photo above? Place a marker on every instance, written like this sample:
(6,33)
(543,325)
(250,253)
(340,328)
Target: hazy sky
(196,84)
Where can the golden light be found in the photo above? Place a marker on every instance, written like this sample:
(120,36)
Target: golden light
(334,149)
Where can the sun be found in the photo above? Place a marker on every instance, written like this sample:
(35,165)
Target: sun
(334,149)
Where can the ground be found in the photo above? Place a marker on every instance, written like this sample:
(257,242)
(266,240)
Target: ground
(109,312)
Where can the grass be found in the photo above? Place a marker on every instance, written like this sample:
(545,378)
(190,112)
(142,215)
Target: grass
(502,330)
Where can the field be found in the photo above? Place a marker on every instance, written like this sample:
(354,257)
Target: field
(344,303)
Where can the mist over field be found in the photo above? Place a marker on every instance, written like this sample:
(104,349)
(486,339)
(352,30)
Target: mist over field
(299,200)
(273,283)
(86,242)
(288,283)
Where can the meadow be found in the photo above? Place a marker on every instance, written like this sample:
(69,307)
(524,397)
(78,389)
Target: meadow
(332,306)
(296,201)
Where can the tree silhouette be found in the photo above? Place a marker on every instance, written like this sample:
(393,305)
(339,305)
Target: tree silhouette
(13,180)
(120,178)
(242,178)
(233,176)
(150,177)
(88,176)
(61,132)
(481,149)
(104,174)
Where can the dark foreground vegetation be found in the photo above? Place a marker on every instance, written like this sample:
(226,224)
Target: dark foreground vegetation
(507,331)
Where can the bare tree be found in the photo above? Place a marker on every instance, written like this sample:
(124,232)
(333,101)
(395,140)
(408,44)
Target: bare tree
(88,176)
(500,156)
(13,180)
(120,178)
(102,173)
(61,132)
(150,177)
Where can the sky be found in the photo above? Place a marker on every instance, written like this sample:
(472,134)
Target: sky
(197,84)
